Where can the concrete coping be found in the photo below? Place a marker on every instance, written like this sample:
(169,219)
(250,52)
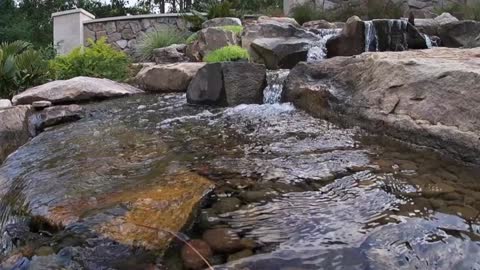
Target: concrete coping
(136,17)
(73,11)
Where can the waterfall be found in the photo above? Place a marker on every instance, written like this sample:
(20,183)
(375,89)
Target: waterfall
(275,79)
(428,41)
(371,39)
(318,51)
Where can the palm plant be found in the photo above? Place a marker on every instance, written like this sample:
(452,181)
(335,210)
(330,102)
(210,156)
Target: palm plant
(20,67)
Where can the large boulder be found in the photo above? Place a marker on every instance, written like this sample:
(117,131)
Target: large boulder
(228,83)
(172,54)
(210,39)
(224,21)
(460,34)
(427,97)
(281,53)
(431,27)
(168,77)
(351,40)
(78,89)
(381,35)
(272,29)
(14,129)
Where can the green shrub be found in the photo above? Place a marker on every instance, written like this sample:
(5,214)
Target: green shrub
(227,54)
(192,38)
(219,10)
(195,20)
(21,67)
(470,11)
(97,60)
(384,9)
(237,29)
(157,39)
(307,12)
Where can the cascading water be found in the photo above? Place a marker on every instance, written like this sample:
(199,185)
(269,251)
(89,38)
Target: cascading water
(392,35)
(318,51)
(371,39)
(428,41)
(275,79)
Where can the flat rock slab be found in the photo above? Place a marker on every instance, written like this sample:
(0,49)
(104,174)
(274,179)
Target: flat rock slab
(429,97)
(78,89)
(168,77)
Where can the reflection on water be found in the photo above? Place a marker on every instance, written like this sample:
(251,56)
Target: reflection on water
(310,194)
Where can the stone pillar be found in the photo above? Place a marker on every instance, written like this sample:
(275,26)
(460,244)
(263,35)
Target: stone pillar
(68,29)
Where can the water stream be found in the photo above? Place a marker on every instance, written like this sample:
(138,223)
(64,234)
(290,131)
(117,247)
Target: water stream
(311,194)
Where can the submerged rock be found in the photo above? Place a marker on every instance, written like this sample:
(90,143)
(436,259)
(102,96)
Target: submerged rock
(78,89)
(149,215)
(223,240)
(228,83)
(191,259)
(167,78)
(14,129)
(427,97)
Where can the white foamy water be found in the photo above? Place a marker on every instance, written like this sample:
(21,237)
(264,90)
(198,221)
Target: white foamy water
(275,80)
(318,51)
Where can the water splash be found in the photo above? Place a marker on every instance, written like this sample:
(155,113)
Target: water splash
(275,79)
(318,51)
(371,38)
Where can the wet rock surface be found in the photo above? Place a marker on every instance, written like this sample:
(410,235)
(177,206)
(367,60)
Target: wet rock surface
(328,196)
(415,96)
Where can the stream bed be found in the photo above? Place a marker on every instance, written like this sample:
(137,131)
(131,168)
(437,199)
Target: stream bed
(295,192)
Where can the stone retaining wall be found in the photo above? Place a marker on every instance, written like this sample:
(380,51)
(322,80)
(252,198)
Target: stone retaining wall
(123,32)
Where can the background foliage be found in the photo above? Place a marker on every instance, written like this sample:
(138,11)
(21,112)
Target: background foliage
(97,60)
(21,67)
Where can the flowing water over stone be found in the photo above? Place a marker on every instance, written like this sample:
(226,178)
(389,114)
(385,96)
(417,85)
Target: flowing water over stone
(371,39)
(307,193)
(275,79)
(318,51)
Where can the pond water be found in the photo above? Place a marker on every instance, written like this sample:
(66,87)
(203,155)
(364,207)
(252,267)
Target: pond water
(304,192)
